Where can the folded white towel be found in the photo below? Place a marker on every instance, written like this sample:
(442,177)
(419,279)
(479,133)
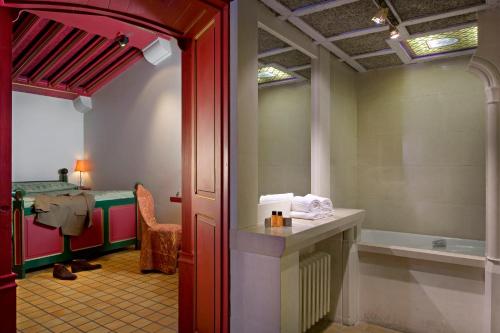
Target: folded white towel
(310,215)
(276,198)
(306,204)
(325,203)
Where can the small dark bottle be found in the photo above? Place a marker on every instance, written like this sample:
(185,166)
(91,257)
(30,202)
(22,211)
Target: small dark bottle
(274,219)
(280,219)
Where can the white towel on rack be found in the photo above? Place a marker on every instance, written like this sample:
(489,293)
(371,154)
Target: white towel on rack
(325,203)
(276,198)
(306,205)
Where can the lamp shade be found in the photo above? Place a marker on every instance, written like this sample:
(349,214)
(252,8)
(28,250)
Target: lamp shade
(82,165)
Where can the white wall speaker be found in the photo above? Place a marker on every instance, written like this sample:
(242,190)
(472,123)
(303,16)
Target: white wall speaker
(157,51)
(82,104)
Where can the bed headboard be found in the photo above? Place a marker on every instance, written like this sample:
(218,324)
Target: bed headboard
(20,189)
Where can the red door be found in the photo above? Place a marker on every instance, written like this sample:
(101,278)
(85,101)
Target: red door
(7,282)
(203,136)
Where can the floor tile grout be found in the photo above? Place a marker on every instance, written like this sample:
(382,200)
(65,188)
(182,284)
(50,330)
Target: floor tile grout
(115,289)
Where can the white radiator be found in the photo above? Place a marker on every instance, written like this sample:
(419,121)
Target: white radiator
(315,282)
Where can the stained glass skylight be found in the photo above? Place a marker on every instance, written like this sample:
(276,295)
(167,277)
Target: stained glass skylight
(268,74)
(444,42)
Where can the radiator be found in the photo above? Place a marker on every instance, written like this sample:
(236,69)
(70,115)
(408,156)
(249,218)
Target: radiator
(315,284)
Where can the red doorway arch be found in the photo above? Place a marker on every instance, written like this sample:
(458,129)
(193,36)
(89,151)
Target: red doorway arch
(202,30)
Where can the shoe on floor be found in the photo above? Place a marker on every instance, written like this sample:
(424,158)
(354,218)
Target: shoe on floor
(80,265)
(61,272)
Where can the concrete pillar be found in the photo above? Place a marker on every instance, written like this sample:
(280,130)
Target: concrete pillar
(244,180)
(320,124)
(7,278)
(490,75)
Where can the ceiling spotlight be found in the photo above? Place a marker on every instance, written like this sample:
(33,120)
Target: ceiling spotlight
(380,16)
(122,40)
(394,32)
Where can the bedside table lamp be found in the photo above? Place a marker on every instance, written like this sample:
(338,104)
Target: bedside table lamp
(81,166)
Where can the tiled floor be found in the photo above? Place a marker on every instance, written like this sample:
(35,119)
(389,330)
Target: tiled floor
(116,298)
(361,328)
(326,326)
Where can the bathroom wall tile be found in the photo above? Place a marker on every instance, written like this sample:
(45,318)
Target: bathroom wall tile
(421,149)
(284,139)
(425,183)
(465,185)
(367,149)
(390,150)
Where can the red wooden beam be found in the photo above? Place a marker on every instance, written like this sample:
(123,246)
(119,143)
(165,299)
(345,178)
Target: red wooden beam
(27,23)
(97,44)
(43,90)
(92,69)
(50,62)
(26,59)
(103,78)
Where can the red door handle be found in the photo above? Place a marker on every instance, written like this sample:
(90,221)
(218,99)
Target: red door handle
(4,209)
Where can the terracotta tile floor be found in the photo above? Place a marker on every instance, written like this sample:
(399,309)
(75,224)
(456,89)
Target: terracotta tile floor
(116,298)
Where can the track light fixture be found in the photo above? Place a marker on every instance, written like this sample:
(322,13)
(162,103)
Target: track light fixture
(122,40)
(394,32)
(380,16)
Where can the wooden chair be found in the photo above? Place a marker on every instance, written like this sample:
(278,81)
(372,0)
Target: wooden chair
(160,243)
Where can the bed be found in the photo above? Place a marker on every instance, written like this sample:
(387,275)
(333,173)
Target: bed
(35,245)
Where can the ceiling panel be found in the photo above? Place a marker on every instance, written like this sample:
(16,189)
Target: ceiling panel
(305,73)
(409,9)
(364,44)
(380,61)
(288,59)
(55,59)
(268,42)
(457,40)
(295,4)
(337,20)
(268,74)
(442,23)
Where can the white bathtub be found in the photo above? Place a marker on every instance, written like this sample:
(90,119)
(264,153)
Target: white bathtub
(409,286)
(457,251)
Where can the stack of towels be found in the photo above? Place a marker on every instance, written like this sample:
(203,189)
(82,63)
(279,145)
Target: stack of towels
(272,198)
(311,207)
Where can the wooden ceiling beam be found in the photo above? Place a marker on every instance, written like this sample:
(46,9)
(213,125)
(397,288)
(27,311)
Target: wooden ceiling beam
(26,59)
(131,56)
(78,60)
(64,49)
(89,71)
(24,27)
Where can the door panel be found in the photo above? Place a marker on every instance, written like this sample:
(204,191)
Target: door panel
(205,273)
(207,203)
(205,115)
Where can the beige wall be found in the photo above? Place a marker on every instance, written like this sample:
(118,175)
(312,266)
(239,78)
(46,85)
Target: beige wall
(420,296)
(343,132)
(421,149)
(133,133)
(285,139)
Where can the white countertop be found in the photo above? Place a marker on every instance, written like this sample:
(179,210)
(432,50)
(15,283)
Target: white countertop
(277,242)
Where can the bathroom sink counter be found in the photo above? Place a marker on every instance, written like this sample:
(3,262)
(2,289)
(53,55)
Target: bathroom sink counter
(277,242)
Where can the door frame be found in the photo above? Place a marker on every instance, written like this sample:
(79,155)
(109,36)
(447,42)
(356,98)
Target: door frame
(153,21)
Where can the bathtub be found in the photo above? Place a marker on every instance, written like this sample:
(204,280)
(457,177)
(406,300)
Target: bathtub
(409,286)
(455,251)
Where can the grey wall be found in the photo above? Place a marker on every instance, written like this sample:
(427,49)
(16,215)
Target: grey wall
(285,139)
(47,136)
(343,133)
(134,133)
(421,149)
